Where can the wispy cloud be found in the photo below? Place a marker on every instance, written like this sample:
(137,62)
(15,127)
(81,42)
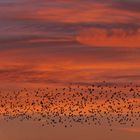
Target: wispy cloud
(133,130)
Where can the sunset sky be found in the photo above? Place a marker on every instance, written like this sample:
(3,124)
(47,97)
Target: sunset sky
(62,41)
(58,42)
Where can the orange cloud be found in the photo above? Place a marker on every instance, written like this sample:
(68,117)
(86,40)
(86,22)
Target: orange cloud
(43,65)
(134,130)
(109,37)
(77,12)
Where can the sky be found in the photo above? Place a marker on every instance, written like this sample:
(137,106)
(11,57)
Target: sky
(61,41)
(58,42)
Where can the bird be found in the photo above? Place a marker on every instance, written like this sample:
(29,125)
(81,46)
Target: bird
(96,104)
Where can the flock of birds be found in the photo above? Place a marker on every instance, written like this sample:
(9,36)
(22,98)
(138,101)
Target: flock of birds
(97,104)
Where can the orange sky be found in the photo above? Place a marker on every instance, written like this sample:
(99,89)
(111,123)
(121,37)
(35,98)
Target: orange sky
(58,42)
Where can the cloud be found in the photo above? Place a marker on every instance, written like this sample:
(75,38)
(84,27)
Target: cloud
(50,41)
(74,11)
(133,130)
(116,37)
(90,12)
(130,5)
